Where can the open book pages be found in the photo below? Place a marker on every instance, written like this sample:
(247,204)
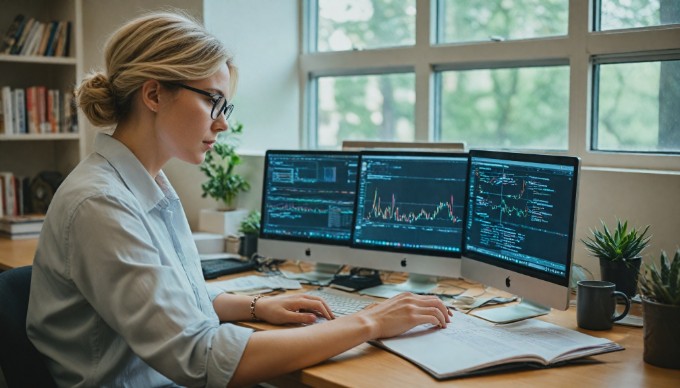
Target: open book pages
(257,284)
(470,345)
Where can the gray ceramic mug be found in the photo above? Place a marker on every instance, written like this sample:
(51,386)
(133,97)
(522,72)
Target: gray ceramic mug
(596,304)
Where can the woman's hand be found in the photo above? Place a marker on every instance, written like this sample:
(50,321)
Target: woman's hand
(405,311)
(295,308)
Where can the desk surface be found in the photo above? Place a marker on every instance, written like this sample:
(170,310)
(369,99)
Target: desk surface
(369,366)
(16,253)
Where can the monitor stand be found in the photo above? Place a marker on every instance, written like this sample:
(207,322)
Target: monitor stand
(322,274)
(417,284)
(523,310)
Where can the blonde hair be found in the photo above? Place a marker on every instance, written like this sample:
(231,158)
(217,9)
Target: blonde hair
(164,46)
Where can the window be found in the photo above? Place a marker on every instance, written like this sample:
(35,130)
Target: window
(365,24)
(620,14)
(637,106)
(484,20)
(363,107)
(507,108)
(592,79)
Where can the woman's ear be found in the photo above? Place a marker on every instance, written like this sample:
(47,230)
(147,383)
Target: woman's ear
(150,93)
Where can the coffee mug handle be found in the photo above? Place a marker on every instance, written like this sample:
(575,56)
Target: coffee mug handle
(625,310)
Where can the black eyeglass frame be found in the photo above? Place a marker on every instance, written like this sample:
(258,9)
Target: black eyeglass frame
(225,109)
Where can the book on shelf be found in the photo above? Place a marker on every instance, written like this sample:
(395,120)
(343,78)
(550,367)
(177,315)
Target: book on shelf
(32,116)
(2,115)
(19,106)
(28,36)
(470,346)
(37,110)
(10,205)
(33,39)
(15,198)
(65,50)
(21,40)
(24,224)
(13,32)
(7,110)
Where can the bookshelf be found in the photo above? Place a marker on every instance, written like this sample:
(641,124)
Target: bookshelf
(29,154)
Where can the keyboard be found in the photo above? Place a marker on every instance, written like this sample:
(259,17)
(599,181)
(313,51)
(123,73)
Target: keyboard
(218,267)
(342,303)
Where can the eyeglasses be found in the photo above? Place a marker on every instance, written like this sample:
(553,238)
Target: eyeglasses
(220,103)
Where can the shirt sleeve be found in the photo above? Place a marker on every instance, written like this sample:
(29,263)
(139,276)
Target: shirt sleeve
(213,291)
(116,265)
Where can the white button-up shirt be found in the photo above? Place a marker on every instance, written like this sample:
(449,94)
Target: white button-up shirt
(117,294)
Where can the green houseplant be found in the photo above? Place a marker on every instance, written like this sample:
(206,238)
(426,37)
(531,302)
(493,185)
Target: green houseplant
(250,228)
(660,290)
(619,253)
(223,183)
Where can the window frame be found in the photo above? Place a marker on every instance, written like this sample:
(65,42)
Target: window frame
(580,49)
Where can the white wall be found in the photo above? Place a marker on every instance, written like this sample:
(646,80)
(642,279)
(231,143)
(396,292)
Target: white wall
(263,35)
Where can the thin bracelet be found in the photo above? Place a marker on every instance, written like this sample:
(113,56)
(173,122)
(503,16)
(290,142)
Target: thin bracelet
(252,306)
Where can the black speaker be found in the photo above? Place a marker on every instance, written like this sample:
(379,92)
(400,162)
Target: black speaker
(43,187)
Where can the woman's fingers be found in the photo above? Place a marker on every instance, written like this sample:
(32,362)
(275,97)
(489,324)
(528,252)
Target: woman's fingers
(296,308)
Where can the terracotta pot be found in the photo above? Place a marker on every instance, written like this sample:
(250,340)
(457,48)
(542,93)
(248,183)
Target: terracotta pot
(661,334)
(623,273)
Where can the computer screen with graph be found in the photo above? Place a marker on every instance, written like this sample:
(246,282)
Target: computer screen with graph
(410,209)
(519,232)
(307,205)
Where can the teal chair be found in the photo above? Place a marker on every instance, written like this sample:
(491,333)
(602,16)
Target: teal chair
(22,364)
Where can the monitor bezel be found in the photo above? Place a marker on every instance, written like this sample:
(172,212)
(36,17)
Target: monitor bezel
(292,238)
(404,250)
(563,160)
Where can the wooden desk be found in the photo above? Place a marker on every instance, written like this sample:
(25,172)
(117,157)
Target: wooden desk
(16,253)
(369,366)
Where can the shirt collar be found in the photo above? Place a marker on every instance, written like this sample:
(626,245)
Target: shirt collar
(148,192)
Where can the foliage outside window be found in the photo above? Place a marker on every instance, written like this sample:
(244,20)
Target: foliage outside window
(517,74)
(365,24)
(506,108)
(366,107)
(622,14)
(638,107)
(484,20)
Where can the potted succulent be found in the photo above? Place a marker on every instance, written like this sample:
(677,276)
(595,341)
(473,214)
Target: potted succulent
(223,184)
(619,253)
(250,229)
(660,290)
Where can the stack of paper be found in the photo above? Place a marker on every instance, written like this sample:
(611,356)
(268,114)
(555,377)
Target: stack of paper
(256,284)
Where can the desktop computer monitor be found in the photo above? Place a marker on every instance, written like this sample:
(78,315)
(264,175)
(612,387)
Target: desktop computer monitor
(409,214)
(307,205)
(519,231)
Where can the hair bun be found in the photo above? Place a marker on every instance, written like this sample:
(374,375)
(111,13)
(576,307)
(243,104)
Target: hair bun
(96,98)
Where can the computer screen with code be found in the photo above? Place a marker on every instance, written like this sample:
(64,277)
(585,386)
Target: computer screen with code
(521,212)
(309,196)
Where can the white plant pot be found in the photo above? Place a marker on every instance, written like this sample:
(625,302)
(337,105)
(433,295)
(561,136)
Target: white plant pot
(221,222)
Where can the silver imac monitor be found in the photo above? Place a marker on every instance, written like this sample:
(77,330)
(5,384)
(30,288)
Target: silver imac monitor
(307,205)
(519,231)
(409,215)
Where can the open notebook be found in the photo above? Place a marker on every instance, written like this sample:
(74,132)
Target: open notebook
(471,346)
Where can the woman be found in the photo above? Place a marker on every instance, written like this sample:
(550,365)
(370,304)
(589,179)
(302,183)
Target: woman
(117,296)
